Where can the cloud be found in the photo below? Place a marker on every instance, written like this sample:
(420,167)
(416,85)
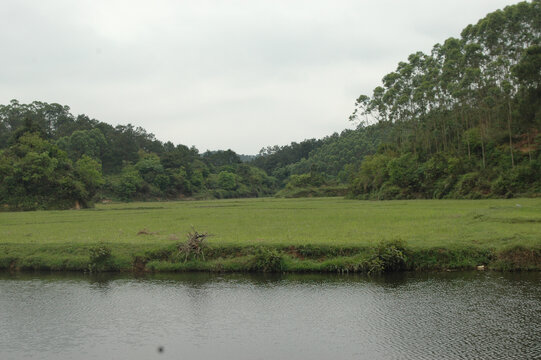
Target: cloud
(217,74)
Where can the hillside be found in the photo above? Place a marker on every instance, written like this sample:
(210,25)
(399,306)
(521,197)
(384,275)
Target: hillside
(461,122)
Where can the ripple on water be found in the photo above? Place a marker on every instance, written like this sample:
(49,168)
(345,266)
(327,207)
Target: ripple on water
(410,316)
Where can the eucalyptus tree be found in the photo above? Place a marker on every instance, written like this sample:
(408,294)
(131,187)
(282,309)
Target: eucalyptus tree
(470,92)
(503,36)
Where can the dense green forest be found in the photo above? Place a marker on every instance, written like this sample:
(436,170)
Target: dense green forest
(461,122)
(52,159)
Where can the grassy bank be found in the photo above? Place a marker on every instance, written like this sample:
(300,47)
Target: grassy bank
(323,234)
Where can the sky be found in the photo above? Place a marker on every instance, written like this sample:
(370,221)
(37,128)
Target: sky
(218,74)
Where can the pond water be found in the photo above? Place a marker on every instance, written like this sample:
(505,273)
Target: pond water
(460,315)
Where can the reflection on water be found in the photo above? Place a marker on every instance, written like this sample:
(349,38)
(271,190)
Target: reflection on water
(234,316)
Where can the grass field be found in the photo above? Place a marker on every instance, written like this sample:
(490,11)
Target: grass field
(60,240)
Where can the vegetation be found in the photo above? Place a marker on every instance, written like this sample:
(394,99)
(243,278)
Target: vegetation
(50,159)
(465,120)
(36,174)
(461,122)
(324,234)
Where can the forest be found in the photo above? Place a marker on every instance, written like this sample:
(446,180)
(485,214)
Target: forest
(53,159)
(461,122)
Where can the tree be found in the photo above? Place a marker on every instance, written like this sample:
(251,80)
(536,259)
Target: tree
(91,143)
(227,180)
(38,175)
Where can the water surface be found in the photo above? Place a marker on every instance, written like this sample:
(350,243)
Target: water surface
(203,316)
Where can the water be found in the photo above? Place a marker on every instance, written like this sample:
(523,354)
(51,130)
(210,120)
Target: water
(201,316)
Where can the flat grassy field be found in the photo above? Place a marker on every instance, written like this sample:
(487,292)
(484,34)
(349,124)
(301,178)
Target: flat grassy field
(131,228)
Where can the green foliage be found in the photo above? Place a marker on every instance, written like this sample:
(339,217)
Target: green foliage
(127,184)
(227,180)
(137,166)
(390,256)
(373,173)
(268,260)
(38,175)
(149,168)
(91,143)
(460,122)
(89,171)
(404,172)
(462,119)
(321,191)
(180,181)
(274,160)
(472,185)
(221,158)
(389,191)
(305,180)
(100,258)
(197,179)
(334,157)
(527,69)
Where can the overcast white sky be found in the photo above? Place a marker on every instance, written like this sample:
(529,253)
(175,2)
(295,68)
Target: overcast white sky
(213,73)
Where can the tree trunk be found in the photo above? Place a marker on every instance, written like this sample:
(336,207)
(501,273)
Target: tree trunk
(509,130)
(465,118)
(482,128)
(529,149)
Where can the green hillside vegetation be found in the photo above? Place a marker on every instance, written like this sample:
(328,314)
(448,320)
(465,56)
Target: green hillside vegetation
(466,119)
(50,159)
(461,122)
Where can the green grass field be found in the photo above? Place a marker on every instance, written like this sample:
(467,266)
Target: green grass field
(64,237)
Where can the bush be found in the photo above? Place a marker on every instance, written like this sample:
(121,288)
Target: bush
(392,254)
(100,258)
(405,171)
(389,192)
(268,260)
(472,186)
(227,180)
(126,185)
(502,186)
(389,256)
(442,187)
(372,175)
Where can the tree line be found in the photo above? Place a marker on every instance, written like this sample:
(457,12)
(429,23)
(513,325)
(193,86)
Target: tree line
(50,159)
(461,122)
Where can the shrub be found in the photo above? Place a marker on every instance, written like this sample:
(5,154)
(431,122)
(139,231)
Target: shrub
(100,258)
(389,192)
(472,185)
(372,175)
(389,256)
(502,186)
(227,180)
(442,187)
(405,172)
(268,260)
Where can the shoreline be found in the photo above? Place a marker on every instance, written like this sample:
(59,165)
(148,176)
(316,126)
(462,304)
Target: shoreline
(386,257)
